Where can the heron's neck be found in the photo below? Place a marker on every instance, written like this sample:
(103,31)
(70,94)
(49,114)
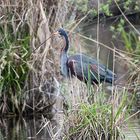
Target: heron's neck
(67,43)
(63,63)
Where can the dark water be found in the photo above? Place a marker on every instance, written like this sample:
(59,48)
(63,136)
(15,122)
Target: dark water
(43,129)
(26,129)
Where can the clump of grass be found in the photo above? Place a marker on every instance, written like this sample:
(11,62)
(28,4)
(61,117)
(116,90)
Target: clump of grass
(102,119)
(94,122)
(13,69)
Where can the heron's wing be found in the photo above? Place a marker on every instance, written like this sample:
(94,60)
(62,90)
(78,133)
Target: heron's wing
(83,70)
(81,65)
(103,73)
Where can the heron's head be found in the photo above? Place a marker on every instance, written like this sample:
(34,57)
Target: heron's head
(62,32)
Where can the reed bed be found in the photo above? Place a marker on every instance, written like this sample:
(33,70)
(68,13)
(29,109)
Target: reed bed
(30,80)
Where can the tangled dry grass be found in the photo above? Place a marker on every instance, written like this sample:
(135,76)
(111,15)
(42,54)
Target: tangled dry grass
(25,29)
(29,72)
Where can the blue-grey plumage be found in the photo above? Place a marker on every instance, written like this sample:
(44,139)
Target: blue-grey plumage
(82,66)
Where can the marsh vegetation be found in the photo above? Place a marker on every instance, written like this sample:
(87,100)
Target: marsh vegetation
(31,85)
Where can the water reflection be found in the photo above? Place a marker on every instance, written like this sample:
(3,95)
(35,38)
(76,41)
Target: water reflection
(26,128)
(43,129)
